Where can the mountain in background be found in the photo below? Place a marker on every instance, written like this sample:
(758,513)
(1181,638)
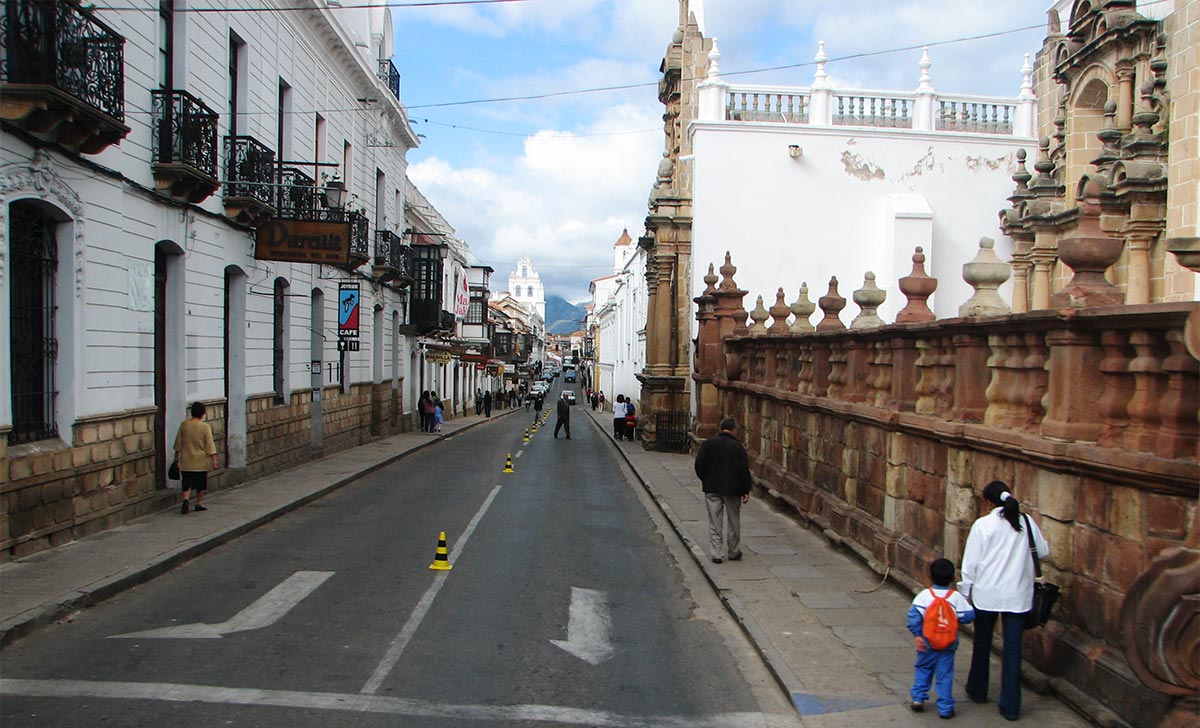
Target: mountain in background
(563,317)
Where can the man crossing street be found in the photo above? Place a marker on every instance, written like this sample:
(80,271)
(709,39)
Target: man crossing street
(564,417)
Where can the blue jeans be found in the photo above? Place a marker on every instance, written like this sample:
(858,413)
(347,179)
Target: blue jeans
(1013,630)
(939,663)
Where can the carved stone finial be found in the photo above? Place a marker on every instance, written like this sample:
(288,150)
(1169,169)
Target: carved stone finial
(820,78)
(1026,80)
(831,304)
(917,287)
(710,281)
(714,58)
(869,298)
(985,274)
(802,308)
(1089,252)
(779,314)
(924,83)
(759,316)
(727,272)
(1109,135)
(1021,177)
(1044,183)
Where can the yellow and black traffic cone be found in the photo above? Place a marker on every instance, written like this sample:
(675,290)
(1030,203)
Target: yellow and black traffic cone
(441,561)
(526,435)
(508,464)
(535,424)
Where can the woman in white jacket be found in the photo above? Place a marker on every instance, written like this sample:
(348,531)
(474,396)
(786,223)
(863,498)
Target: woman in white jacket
(998,574)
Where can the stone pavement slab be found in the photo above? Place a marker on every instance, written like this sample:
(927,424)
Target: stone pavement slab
(831,631)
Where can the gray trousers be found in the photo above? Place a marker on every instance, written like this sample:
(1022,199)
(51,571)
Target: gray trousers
(728,509)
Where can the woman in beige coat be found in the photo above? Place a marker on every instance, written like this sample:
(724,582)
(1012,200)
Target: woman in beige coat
(194,451)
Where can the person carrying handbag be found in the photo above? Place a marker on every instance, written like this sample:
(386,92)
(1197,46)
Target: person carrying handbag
(998,575)
(194,452)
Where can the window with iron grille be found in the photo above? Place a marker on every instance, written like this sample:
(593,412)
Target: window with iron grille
(33,346)
(427,273)
(475,312)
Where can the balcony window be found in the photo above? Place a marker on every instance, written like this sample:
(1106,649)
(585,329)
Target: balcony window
(185,145)
(249,180)
(390,76)
(63,74)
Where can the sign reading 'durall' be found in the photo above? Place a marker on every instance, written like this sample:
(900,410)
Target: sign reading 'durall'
(304,241)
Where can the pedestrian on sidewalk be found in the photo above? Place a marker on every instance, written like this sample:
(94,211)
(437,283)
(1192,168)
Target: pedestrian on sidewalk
(724,470)
(564,417)
(595,400)
(630,419)
(478,401)
(998,575)
(487,403)
(619,417)
(933,619)
(600,398)
(194,451)
(439,411)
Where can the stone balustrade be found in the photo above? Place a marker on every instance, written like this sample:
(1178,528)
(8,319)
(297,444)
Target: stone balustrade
(822,105)
(883,435)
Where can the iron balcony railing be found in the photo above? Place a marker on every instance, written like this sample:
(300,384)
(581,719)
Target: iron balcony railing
(249,170)
(185,131)
(297,198)
(391,251)
(390,76)
(59,43)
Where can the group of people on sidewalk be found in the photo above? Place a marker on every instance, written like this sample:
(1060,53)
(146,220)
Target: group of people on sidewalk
(997,584)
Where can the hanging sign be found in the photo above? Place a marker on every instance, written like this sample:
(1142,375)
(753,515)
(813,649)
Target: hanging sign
(434,356)
(462,293)
(303,241)
(348,307)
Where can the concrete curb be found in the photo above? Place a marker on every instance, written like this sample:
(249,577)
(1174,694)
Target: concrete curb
(778,667)
(26,623)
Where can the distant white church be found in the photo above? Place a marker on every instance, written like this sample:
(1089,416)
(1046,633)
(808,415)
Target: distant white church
(525,285)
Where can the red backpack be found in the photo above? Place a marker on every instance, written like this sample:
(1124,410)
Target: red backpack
(940,627)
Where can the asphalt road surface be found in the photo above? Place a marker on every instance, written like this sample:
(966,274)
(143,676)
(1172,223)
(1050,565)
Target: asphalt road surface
(568,603)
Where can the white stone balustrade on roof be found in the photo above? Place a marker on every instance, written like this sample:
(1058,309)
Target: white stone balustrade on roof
(822,105)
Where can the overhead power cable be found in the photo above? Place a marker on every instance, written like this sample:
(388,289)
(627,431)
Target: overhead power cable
(300,8)
(648,84)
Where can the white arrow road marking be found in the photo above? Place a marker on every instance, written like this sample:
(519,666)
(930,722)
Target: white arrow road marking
(589,627)
(263,613)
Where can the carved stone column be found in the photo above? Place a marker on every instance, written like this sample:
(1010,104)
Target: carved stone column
(1137,290)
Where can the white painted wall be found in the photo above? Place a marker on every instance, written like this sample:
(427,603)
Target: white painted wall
(120,221)
(856,200)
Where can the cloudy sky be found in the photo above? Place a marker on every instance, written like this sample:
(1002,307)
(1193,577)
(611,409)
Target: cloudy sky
(558,178)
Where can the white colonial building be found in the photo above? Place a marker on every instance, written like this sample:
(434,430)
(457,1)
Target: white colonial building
(808,183)
(204,207)
(617,322)
(525,287)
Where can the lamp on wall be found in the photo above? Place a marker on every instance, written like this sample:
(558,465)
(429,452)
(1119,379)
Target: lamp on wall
(335,193)
(795,151)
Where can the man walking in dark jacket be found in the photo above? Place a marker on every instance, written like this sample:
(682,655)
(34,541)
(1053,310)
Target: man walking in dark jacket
(724,469)
(564,417)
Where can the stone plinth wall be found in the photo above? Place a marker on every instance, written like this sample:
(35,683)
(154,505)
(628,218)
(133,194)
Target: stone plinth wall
(884,439)
(52,493)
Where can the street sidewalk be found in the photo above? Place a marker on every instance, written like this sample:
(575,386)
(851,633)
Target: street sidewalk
(831,634)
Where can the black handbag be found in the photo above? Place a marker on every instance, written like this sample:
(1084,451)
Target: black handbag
(1045,594)
(173,471)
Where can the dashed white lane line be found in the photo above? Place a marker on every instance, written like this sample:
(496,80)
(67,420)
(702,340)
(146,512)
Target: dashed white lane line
(350,702)
(396,648)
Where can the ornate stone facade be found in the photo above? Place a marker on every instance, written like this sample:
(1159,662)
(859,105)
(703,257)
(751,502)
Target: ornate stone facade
(883,438)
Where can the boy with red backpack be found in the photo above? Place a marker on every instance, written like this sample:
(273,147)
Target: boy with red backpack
(933,619)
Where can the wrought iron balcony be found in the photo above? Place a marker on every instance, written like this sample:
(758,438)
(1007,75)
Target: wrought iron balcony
(249,180)
(390,76)
(62,74)
(185,145)
(298,198)
(391,258)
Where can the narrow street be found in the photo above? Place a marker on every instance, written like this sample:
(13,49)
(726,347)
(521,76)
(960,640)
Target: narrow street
(565,605)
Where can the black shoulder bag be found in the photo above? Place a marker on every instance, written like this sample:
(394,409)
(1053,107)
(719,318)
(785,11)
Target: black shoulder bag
(1044,593)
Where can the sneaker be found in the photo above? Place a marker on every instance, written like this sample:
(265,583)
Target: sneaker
(199,508)
(917,707)
(946,716)
(736,557)
(184,508)
(716,559)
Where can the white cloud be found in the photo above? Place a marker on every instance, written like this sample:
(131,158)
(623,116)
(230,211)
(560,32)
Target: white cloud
(563,200)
